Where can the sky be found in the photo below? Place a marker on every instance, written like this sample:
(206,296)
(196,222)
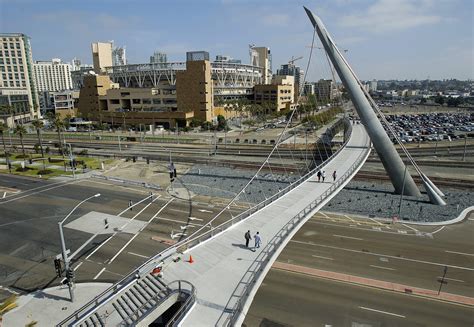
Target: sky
(384,39)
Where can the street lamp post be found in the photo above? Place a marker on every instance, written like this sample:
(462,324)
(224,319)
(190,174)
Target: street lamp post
(67,268)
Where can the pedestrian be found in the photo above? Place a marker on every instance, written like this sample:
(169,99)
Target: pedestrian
(323,175)
(334,175)
(319,175)
(247,238)
(130,204)
(257,239)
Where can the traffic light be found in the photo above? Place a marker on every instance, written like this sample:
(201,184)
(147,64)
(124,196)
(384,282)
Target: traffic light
(57,266)
(70,275)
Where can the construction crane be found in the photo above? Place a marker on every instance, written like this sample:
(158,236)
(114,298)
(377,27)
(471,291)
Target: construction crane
(293,59)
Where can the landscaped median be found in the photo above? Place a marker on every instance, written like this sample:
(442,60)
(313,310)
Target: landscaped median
(48,167)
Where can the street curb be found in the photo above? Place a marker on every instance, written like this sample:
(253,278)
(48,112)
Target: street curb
(456,220)
(363,281)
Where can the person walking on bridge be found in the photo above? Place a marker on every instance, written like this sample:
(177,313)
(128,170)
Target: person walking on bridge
(334,175)
(319,175)
(258,240)
(247,238)
(323,175)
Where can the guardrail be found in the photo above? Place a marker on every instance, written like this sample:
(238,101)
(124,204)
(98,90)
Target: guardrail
(197,238)
(264,257)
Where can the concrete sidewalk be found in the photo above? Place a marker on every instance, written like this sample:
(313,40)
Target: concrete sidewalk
(49,306)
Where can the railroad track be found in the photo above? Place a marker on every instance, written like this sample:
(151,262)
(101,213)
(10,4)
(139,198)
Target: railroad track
(447,182)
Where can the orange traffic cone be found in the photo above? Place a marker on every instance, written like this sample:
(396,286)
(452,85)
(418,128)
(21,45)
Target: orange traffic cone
(156,271)
(190,259)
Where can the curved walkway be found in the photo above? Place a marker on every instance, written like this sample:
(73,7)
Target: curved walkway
(226,274)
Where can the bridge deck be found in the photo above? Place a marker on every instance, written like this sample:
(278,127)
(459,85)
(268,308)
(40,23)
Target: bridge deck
(221,262)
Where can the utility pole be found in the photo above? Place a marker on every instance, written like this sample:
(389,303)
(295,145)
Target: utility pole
(442,281)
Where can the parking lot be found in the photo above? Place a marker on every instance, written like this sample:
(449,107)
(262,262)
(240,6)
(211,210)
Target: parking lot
(433,126)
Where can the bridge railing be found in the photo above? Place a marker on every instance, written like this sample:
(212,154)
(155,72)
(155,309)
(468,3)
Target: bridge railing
(258,265)
(192,241)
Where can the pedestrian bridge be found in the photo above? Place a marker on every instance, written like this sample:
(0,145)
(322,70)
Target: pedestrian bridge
(218,287)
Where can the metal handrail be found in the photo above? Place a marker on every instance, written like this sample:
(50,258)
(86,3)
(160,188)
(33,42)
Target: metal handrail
(272,245)
(192,241)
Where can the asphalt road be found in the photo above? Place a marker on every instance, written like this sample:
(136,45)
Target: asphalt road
(29,237)
(407,254)
(290,299)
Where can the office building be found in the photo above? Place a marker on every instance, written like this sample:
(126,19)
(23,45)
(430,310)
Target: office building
(325,90)
(101,56)
(52,76)
(66,103)
(75,64)
(17,83)
(119,57)
(278,96)
(295,71)
(373,85)
(309,89)
(262,57)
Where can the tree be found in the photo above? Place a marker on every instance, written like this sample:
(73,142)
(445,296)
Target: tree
(9,110)
(3,128)
(439,99)
(21,131)
(454,102)
(58,123)
(38,124)
(221,122)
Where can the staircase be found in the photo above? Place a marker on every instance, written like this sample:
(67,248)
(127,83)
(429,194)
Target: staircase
(133,303)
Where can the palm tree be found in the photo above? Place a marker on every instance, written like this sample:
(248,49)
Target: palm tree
(38,124)
(58,123)
(21,131)
(3,128)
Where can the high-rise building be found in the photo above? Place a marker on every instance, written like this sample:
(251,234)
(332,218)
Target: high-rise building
(52,76)
(373,85)
(119,57)
(17,83)
(295,71)
(325,90)
(158,58)
(75,64)
(101,56)
(262,57)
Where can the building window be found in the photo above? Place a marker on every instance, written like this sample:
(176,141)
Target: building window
(18,45)
(136,101)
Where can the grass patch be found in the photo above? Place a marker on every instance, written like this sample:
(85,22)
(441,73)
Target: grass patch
(8,304)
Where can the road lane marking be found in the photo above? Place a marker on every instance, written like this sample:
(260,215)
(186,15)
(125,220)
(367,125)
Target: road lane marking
(454,280)
(323,214)
(382,255)
(178,221)
(138,213)
(80,264)
(376,221)
(100,272)
(379,267)
(4,195)
(141,229)
(438,230)
(204,210)
(408,226)
(402,231)
(320,257)
(115,233)
(138,255)
(352,219)
(349,237)
(472,219)
(34,193)
(383,312)
(460,253)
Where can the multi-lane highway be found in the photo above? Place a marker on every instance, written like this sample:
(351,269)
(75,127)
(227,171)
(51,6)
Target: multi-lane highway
(410,255)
